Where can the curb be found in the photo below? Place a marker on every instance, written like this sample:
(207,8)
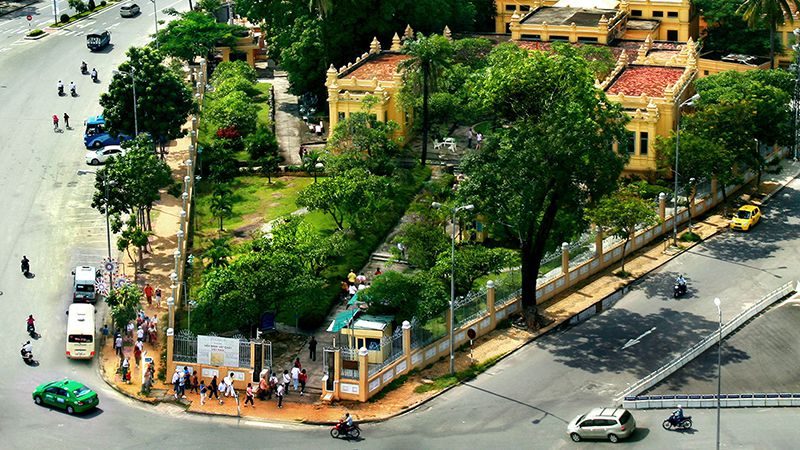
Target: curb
(109,4)
(555,324)
(36,38)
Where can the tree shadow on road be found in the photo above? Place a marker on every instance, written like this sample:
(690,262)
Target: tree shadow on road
(535,421)
(659,286)
(596,345)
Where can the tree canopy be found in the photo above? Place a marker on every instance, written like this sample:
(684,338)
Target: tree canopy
(550,154)
(194,34)
(163,100)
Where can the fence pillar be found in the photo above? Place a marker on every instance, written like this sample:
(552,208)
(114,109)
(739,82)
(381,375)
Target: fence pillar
(565,258)
(337,372)
(363,373)
(714,187)
(598,242)
(170,353)
(662,205)
(407,344)
(490,307)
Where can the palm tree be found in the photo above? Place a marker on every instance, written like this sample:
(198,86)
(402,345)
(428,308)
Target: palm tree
(429,56)
(221,203)
(218,253)
(774,12)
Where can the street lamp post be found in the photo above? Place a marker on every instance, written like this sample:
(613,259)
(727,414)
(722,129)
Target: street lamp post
(688,102)
(132,74)
(317,168)
(718,303)
(106,185)
(454,211)
(155,19)
(796,48)
(691,194)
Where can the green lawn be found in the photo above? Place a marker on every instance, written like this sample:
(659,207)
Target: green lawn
(263,100)
(255,202)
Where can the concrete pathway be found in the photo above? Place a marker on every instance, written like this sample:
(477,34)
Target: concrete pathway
(288,122)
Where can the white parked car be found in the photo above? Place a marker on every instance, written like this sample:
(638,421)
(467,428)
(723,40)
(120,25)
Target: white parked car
(101,156)
(129,10)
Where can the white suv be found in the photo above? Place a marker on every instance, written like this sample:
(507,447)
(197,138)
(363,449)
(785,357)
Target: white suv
(129,10)
(602,423)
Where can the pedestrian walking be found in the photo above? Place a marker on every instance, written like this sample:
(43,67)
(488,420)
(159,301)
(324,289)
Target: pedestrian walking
(140,334)
(285,381)
(351,277)
(118,345)
(137,353)
(297,363)
(158,297)
(229,389)
(182,381)
(249,395)
(176,378)
(295,378)
(25,265)
(470,134)
(478,141)
(272,384)
(203,391)
(312,349)
(279,393)
(303,378)
(402,248)
(148,292)
(66,121)
(263,388)
(55,122)
(194,386)
(213,391)
(125,365)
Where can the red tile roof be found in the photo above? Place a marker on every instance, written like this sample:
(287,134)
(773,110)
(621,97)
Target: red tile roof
(383,67)
(651,81)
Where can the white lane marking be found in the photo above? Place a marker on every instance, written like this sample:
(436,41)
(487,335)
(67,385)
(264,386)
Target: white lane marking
(632,342)
(112,26)
(265,425)
(84,25)
(4,49)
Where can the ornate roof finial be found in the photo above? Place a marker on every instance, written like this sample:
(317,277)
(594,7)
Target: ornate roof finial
(447,33)
(374,46)
(396,45)
(408,33)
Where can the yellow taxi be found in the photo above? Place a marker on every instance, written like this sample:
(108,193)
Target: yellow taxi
(746,217)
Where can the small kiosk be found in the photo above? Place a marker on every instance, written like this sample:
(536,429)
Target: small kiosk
(368,331)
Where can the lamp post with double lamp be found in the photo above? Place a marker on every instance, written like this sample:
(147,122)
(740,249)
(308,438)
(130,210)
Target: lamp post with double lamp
(796,99)
(454,211)
(106,186)
(155,19)
(132,74)
(688,102)
(718,304)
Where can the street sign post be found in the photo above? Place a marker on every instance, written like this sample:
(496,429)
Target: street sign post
(29,17)
(471,335)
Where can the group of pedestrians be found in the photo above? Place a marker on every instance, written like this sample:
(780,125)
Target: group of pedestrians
(356,283)
(66,122)
(478,138)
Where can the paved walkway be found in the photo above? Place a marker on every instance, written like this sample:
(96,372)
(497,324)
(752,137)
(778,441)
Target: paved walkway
(287,120)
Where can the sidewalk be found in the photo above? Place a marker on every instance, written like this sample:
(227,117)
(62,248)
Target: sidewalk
(492,347)
(9,7)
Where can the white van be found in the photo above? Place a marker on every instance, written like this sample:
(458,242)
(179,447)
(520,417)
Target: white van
(83,284)
(80,331)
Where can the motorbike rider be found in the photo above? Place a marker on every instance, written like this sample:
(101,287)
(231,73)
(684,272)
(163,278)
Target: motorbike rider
(94,74)
(677,415)
(27,351)
(30,321)
(72,87)
(25,263)
(348,422)
(60,87)
(84,67)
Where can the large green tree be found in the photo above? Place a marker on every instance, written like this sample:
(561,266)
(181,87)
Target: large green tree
(773,12)
(407,296)
(362,141)
(727,30)
(163,100)
(428,58)
(551,151)
(194,34)
(123,303)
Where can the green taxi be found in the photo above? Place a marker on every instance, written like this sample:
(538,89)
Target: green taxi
(66,394)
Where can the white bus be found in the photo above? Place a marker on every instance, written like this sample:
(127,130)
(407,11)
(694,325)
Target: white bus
(80,331)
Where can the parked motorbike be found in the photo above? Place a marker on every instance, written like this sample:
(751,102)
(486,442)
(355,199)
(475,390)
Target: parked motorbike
(678,290)
(341,430)
(674,422)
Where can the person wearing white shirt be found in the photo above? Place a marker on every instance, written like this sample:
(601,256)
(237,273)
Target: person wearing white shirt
(295,377)
(229,390)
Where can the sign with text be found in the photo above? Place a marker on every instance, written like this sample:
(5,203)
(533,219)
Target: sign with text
(217,351)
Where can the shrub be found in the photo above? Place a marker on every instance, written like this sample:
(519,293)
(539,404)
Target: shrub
(36,32)
(64,18)
(103,3)
(91,4)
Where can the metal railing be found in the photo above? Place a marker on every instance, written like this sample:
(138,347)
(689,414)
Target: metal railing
(185,347)
(394,344)
(470,307)
(664,371)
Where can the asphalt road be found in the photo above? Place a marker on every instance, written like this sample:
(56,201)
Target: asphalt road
(525,401)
